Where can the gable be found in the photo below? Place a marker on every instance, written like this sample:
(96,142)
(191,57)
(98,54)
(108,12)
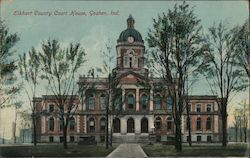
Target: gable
(132,78)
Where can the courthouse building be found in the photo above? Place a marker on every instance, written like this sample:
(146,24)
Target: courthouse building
(146,113)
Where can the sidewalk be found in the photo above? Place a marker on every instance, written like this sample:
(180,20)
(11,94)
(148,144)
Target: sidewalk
(128,151)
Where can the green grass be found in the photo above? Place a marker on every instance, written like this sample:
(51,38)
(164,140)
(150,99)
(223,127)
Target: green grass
(55,151)
(158,150)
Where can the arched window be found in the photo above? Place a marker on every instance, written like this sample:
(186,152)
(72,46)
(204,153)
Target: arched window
(91,102)
(51,124)
(198,123)
(72,123)
(157,102)
(158,123)
(130,125)
(116,125)
(208,123)
(102,124)
(61,124)
(91,125)
(169,103)
(144,101)
(144,125)
(131,101)
(103,102)
(169,123)
(51,108)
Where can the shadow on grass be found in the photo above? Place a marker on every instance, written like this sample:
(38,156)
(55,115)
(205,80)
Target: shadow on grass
(158,150)
(55,151)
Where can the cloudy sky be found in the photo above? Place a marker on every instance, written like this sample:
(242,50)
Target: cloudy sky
(35,21)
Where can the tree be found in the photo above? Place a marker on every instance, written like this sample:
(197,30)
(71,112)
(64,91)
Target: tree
(59,67)
(29,68)
(241,49)
(113,91)
(236,123)
(222,75)
(17,106)
(8,88)
(176,47)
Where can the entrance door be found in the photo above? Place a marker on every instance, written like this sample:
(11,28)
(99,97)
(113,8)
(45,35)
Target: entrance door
(144,125)
(130,125)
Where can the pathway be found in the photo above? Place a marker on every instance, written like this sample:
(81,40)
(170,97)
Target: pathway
(128,151)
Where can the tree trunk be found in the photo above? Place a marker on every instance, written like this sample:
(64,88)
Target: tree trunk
(245,134)
(65,145)
(224,123)
(178,142)
(34,129)
(240,130)
(236,134)
(107,124)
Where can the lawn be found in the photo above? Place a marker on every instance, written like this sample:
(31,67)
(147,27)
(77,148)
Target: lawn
(55,151)
(158,150)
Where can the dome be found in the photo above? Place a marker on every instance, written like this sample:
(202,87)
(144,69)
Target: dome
(130,31)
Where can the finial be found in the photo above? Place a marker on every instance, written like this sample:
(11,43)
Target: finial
(130,21)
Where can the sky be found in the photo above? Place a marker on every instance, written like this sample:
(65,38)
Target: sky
(37,20)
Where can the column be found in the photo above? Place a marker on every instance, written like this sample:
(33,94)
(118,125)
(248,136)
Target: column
(137,98)
(123,99)
(85,123)
(123,125)
(150,123)
(137,125)
(78,123)
(83,101)
(151,100)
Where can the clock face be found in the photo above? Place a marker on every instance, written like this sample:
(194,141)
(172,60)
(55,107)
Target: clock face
(130,39)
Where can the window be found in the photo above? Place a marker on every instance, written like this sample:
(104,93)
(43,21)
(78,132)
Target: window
(188,137)
(51,139)
(198,138)
(157,102)
(131,101)
(209,138)
(61,124)
(103,102)
(72,123)
(125,61)
(198,123)
(208,123)
(102,138)
(189,107)
(71,138)
(116,125)
(144,101)
(51,108)
(130,125)
(158,123)
(91,102)
(169,103)
(198,108)
(102,124)
(51,124)
(169,123)
(144,125)
(92,125)
(130,62)
(209,108)
(61,139)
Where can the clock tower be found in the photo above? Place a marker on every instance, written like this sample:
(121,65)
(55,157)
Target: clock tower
(130,51)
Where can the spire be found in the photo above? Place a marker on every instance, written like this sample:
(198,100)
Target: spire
(130,21)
